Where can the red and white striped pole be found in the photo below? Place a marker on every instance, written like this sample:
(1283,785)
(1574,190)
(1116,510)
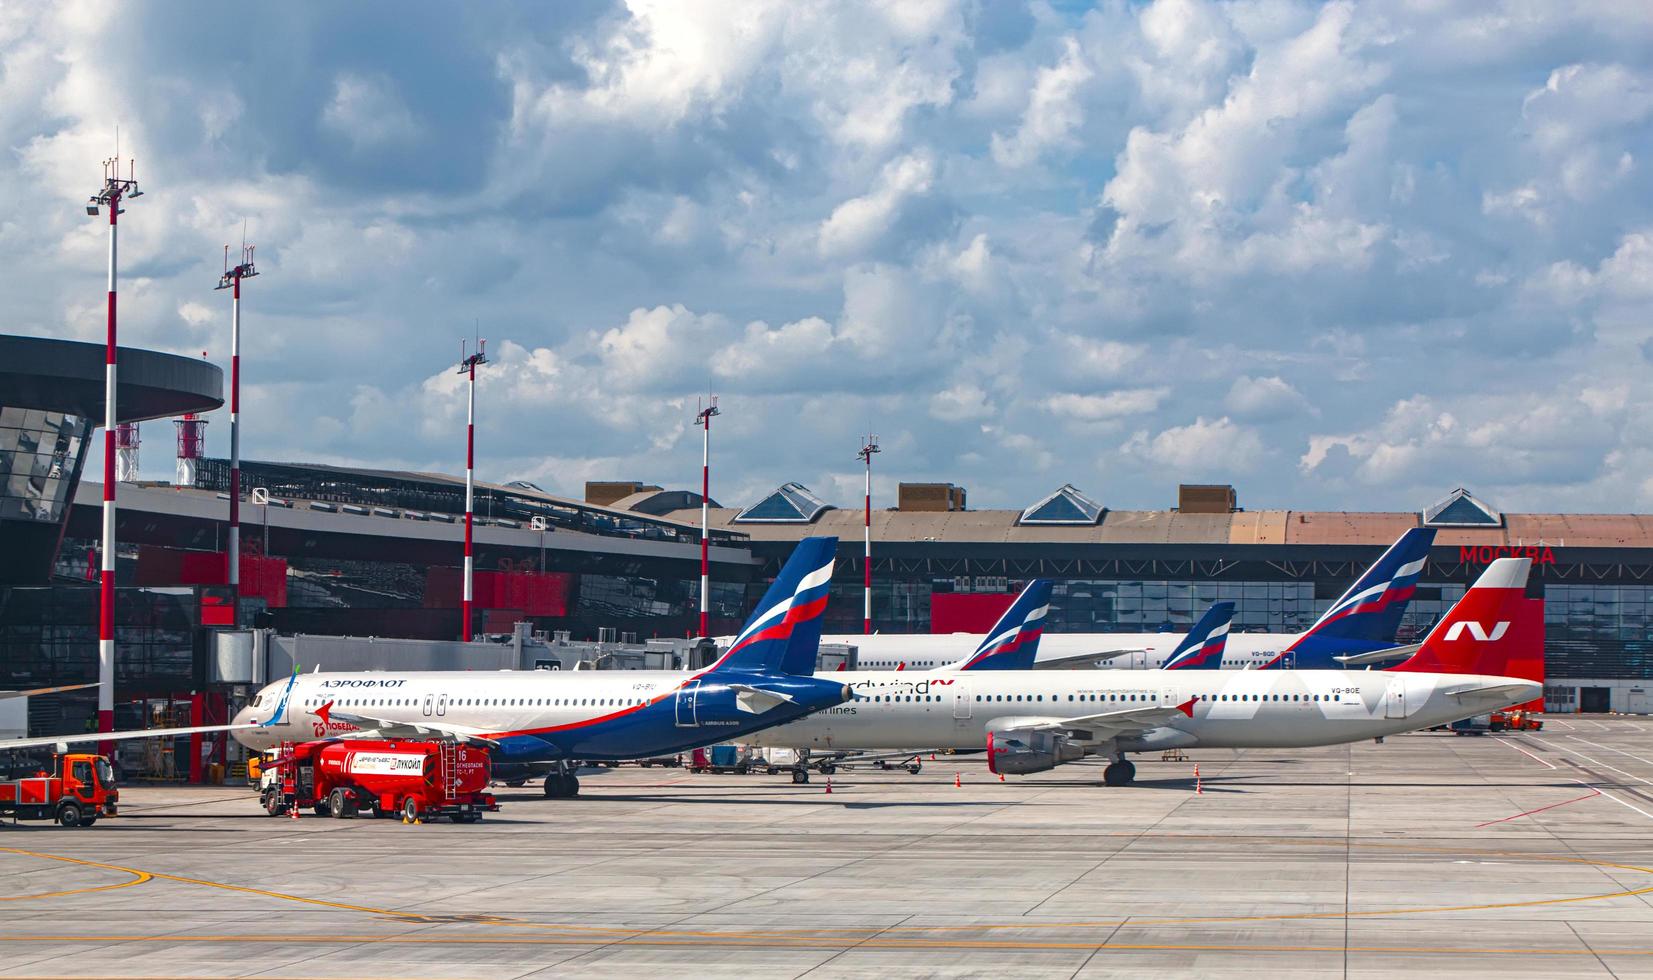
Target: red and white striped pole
(868,447)
(110,195)
(232,279)
(704,420)
(468,365)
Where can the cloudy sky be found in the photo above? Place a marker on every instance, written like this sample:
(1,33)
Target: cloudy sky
(1343,256)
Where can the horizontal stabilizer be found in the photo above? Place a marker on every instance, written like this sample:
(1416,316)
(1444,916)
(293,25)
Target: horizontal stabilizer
(756,700)
(1069,661)
(1379,656)
(1516,693)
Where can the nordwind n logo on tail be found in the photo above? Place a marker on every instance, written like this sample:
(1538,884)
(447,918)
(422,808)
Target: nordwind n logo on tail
(1476,631)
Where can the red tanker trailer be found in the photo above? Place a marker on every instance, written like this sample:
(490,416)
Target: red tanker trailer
(416,779)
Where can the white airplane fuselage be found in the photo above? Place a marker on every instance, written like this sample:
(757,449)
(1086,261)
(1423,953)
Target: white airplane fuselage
(1231,709)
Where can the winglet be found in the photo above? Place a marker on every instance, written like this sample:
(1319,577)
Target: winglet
(281,709)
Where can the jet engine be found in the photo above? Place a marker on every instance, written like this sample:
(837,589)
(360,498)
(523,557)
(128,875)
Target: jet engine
(1026,752)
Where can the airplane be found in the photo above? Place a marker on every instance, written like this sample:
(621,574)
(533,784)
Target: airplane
(1363,621)
(1202,648)
(1485,653)
(8,695)
(764,679)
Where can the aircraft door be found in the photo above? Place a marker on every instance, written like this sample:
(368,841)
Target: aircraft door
(1394,700)
(961,698)
(441,704)
(428,701)
(688,697)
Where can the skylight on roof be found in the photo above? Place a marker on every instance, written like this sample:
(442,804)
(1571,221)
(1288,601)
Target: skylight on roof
(1460,509)
(790,503)
(1067,506)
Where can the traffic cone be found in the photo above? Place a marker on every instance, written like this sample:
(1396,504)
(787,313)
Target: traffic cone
(932,757)
(1199,788)
(829,785)
(957,782)
(293,811)
(1001,777)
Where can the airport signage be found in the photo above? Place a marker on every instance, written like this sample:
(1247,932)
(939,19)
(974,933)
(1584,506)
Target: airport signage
(1541,554)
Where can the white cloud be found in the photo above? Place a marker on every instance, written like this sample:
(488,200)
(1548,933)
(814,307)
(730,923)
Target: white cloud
(1053,110)
(368,112)
(1113,405)
(860,221)
(1201,448)
(1266,398)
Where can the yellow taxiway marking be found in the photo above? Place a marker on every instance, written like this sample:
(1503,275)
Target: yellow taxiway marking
(888,934)
(138,877)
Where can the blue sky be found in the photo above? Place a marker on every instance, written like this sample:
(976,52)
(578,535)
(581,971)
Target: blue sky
(1343,256)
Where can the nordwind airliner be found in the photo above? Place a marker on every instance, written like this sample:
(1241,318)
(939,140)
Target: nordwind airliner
(1486,653)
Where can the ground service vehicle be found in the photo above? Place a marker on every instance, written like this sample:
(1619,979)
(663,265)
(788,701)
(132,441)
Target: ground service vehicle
(1516,720)
(419,780)
(79,790)
(722,758)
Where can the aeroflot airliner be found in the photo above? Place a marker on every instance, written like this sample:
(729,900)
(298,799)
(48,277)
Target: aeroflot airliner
(1363,621)
(1486,653)
(764,679)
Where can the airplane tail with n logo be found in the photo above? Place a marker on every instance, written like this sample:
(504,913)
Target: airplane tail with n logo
(1494,629)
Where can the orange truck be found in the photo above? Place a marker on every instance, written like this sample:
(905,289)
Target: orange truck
(1516,721)
(79,790)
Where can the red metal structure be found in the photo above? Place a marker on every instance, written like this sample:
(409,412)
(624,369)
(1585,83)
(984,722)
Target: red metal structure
(231,279)
(467,366)
(110,195)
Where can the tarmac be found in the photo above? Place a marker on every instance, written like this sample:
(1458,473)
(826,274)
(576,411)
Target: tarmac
(1515,855)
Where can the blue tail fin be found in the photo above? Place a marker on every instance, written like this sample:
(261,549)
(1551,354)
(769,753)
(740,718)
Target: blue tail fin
(1013,642)
(1368,615)
(784,632)
(1202,648)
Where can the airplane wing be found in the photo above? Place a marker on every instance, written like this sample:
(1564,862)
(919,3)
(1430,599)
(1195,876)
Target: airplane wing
(65,740)
(754,700)
(1379,656)
(1515,692)
(1109,724)
(1072,660)
(4,695)
(370,727)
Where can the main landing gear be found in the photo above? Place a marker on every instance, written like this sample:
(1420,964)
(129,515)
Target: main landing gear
(562,783)
(800,768)
(1121,772)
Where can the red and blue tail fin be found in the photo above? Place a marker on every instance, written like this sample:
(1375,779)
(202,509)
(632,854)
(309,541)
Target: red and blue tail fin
(784,632)
(1013,642)
(1368,615)
(1202,648)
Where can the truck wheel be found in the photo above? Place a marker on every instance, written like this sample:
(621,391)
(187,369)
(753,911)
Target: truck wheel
(340,803)
(273,805)
(68,815)
(410,809)
(89,820)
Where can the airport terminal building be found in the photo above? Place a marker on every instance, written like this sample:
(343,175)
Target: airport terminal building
(348,551)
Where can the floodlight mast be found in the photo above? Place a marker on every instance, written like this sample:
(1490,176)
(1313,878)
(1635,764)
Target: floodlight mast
(231,279)
(704,419)
(110,194)
(467,366)
(869,445)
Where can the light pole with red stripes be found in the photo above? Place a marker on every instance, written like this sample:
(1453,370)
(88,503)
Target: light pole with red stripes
(869,445)
(467,365)
(114,191)
(704,420)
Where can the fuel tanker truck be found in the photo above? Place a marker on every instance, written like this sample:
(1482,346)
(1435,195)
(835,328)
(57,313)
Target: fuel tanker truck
(418,780)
